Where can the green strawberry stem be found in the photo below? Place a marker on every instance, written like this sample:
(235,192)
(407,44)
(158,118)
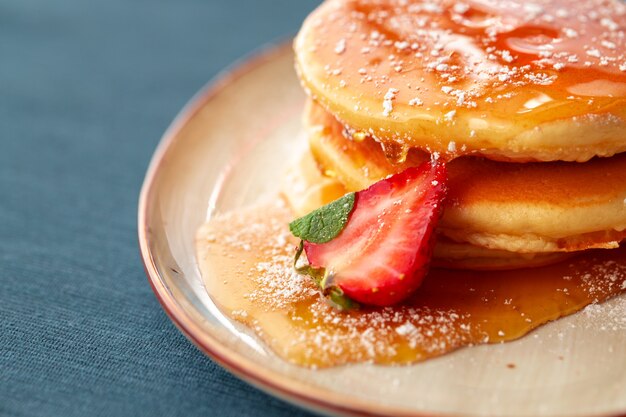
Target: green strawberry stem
(323,280)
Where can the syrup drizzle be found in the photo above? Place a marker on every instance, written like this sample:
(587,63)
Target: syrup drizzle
(534,59)
(246,259)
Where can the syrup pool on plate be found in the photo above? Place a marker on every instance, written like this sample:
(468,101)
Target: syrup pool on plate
(246,259)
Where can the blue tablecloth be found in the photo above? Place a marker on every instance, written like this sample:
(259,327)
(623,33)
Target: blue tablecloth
(87,87)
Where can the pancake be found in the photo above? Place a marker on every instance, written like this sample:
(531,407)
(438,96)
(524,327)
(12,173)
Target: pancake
(527,208)
(539,80)
(305,189)
(454,255)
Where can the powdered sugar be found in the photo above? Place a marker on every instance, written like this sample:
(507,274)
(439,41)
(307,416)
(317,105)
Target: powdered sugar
(289,312)
(475,48)
(390,95)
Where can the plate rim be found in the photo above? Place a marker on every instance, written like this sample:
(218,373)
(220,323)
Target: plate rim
(273,383)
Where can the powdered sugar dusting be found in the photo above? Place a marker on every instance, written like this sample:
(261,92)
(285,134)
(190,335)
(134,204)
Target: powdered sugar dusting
(473,48)
(374,334)
(390,95)
(610,316)
(613,278)
(278,285)
(252,252)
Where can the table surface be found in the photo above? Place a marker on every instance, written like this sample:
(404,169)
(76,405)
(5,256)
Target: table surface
(86,90)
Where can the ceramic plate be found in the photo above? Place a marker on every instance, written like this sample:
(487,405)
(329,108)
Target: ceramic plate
(229,146)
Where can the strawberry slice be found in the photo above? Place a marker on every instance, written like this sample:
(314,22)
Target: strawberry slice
(382,254)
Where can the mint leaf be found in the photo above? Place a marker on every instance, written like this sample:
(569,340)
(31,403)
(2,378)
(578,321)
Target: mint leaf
(325,223)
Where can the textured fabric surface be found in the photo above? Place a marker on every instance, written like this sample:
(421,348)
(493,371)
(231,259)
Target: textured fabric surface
(87,87)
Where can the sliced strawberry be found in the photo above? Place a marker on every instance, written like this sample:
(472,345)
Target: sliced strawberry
(382,254)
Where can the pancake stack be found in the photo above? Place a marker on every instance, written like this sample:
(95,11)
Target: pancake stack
(525,100)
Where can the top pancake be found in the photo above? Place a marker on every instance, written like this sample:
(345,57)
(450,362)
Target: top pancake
(511,80)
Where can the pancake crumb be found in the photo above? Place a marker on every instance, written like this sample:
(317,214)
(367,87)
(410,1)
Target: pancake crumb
(449,116)
(390,95)
(340,48)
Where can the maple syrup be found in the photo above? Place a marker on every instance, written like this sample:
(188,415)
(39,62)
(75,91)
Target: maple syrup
(486,63)
(536,61)
(483,74)
(246,259)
